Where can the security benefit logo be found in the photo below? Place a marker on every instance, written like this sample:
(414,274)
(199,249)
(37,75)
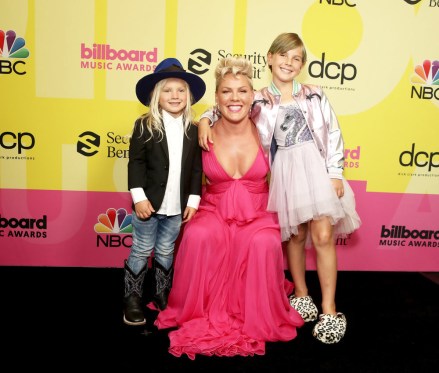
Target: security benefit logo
(89,143)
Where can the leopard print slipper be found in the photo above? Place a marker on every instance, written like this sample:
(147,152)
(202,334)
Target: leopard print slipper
(330,328)
(305,306)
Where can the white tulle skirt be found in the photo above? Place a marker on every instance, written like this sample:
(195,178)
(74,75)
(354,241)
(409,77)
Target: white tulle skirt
(301,191)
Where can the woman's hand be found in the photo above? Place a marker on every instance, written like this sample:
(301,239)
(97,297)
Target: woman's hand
(204,134)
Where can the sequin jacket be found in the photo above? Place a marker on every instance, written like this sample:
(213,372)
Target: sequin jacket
(319,116)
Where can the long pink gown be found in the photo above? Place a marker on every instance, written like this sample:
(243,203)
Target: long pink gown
(229,293)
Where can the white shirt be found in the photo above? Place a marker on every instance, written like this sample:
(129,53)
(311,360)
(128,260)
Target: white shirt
(171,201)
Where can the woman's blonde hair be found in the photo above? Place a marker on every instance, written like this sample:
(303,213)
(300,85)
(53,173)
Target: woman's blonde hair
(152,121)
(235,66)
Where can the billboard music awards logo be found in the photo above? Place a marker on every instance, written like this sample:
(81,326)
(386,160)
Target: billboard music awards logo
(114,228)
(12,48)
(425,80)
(23,227)
(105,57)
(400,235)
(352,157)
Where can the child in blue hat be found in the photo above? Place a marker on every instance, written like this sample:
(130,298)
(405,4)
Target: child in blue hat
(164,179)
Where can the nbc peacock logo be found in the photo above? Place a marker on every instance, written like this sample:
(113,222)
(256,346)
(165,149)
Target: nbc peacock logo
(13,49)
(427,73)
(426,80)
(114,221)
(12,46)
(114,228)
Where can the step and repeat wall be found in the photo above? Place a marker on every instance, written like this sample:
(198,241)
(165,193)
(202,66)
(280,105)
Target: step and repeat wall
(68,70)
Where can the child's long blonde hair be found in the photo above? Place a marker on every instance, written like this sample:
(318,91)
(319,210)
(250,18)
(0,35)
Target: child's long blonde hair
(152,121)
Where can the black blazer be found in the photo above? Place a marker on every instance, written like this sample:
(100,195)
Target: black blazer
(148,165)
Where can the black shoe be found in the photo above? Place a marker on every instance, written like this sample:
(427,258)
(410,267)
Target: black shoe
(132,302)
(163,283)
(133,310)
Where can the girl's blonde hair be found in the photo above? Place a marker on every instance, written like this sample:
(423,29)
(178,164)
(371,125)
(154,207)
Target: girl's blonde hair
(286,42)
(152,121)
(235,66)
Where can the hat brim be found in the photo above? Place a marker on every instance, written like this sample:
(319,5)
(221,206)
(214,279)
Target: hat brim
(146,85)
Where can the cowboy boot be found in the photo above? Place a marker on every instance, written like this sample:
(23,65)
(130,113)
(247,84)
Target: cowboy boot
(163,282)
(132,301)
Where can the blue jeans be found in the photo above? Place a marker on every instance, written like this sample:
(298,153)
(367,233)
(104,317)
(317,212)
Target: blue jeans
(158,233)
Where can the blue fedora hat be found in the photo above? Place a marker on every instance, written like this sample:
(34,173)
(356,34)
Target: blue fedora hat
(169,68)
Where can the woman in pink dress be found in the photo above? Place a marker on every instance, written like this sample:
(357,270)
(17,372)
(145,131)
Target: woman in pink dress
(230,293)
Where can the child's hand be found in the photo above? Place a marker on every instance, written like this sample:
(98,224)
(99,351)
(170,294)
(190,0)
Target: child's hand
(338,186)
(144,209)
(204,134)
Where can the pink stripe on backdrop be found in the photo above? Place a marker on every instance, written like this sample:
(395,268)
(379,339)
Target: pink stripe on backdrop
(363,250)
(71,240)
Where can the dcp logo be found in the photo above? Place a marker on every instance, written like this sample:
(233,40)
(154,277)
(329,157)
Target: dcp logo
(332,70)
(20,140)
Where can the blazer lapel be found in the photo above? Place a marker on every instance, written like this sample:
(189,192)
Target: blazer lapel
(164,144)
(186,146)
